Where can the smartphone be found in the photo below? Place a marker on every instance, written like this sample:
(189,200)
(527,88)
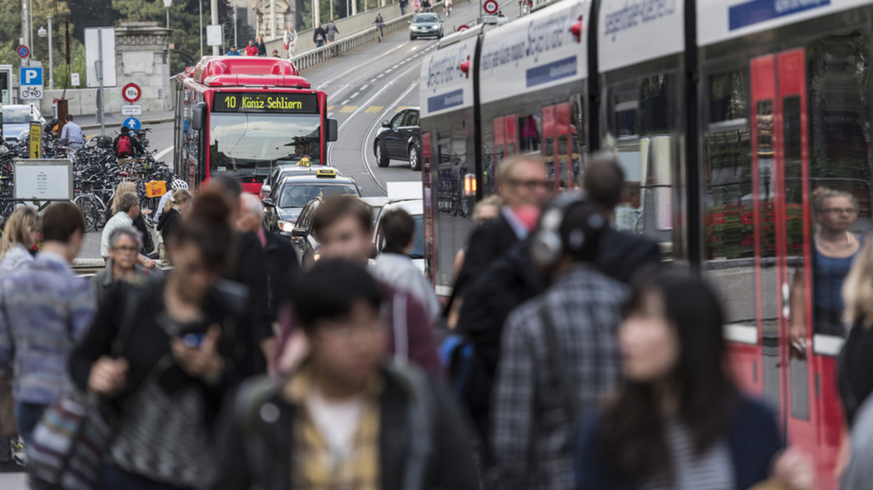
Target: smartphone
(193,339)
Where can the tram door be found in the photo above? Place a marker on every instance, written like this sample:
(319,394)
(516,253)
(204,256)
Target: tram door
(781,213)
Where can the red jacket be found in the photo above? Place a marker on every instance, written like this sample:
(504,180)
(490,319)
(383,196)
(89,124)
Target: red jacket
(419,345)
(251,50)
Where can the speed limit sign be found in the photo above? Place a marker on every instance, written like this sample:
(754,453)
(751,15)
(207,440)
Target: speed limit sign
(131,92)
(490,7)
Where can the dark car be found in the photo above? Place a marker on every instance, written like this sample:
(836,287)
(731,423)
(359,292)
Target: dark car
(293,193)
(304,242)
(399,139)
(279,172)
(425,25)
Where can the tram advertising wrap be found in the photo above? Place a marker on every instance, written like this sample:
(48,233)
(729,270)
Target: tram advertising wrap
(629,29)
(540,53)
(447,99)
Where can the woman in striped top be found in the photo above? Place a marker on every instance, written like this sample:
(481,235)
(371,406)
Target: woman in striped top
(679,421)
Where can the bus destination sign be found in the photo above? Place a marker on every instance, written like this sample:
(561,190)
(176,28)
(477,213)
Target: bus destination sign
(265,102)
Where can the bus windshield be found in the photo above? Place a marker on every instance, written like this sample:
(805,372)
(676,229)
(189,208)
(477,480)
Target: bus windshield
(249,145)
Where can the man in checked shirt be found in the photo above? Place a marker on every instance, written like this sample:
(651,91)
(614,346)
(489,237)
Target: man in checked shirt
(558,355)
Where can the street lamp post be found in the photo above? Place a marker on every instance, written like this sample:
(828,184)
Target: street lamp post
(42,33)
(168,4)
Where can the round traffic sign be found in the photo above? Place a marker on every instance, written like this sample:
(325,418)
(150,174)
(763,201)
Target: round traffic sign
(490,6)
(131,92)
(22,51)
(132,123)
(463,28)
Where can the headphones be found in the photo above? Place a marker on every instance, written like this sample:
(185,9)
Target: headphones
(548,244)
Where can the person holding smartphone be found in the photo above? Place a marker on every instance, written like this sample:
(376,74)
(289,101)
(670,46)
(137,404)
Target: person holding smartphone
(165,355)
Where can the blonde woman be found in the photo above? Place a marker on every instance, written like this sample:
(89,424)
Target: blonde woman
(835,247)
(19,235)
(171,217)
(139,223)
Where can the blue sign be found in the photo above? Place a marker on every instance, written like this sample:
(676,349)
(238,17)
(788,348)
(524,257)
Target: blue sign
(132,123)
(23,51)
(31,76)
(757,11)
(445,101)
(550,72)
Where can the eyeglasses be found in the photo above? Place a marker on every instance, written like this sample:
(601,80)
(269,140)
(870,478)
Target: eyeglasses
(849,211)
(533,184)
(125,249)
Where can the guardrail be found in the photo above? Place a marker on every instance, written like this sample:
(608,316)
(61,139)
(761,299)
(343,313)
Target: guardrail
(319,55)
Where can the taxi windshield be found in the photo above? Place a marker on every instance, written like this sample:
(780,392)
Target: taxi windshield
(247,144)
(298,195)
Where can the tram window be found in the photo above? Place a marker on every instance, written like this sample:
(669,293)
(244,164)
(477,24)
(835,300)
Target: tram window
(654,106)
(727,97)
(839,158)
(529,127)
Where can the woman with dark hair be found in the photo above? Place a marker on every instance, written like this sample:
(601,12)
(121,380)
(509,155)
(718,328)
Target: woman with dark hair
(165,355)
(679,422)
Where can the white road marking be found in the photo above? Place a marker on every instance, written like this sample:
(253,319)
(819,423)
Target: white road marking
(389,70)
(373,80)
(353,95)
(363,88)
(381,75)
(163,152)
(395,66)
(365,143)
(344,102)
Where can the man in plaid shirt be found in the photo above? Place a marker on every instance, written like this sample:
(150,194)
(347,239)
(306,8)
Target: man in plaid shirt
(547,378)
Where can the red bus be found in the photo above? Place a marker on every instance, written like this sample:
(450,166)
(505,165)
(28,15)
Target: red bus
(243,116)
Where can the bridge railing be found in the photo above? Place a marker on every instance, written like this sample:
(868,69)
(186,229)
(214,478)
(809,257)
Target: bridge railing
(350,42)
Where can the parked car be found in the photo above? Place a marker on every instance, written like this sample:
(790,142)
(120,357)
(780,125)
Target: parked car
(400,139)
(17,119)
(427,24)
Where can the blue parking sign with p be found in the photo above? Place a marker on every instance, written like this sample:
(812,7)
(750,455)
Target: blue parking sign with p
(31,76)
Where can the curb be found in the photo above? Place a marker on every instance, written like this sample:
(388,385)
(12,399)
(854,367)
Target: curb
(114,124)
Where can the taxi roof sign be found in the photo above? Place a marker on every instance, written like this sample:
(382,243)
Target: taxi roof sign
(325,172)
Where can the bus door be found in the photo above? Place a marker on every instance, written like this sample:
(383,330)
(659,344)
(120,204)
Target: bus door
(781,214)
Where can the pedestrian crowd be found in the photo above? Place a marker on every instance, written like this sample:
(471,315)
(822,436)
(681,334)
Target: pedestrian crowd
(573,360)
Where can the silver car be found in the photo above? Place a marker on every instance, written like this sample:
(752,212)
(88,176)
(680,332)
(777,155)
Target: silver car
(17,119)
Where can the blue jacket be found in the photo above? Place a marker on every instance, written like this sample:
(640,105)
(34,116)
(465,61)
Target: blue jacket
(753,438)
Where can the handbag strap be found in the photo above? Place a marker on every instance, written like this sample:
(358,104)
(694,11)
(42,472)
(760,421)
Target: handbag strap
(558,364)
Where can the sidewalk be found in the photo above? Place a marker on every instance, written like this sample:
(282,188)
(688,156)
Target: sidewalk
(112,120)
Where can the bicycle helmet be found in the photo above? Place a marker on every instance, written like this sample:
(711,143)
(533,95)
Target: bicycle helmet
(179,184)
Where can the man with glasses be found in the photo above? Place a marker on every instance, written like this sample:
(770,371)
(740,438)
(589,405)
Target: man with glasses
(124,243)
(525,188)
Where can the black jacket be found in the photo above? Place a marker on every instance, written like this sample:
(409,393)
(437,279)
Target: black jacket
(250,270)
(319,30)
(622,255)
(262,49)
(489,242)
(129,317)
(283,269)
(503,286)
(258,453)
(167,222)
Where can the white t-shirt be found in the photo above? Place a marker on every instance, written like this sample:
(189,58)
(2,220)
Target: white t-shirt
(336,421)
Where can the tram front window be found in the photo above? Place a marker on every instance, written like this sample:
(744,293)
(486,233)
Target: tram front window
(248,145)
